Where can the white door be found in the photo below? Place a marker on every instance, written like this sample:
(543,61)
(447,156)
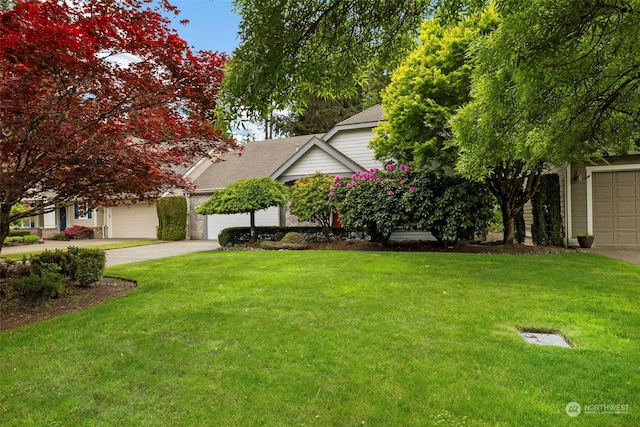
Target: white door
(139,221)
(264,218)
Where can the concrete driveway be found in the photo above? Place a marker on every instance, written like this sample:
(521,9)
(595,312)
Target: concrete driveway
(160,250)
(629,254)
(124,255)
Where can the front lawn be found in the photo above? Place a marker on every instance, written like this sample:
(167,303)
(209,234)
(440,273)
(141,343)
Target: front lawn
(334,338)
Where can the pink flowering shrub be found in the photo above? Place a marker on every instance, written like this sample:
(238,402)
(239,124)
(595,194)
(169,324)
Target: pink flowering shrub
(379,201)
(373,201)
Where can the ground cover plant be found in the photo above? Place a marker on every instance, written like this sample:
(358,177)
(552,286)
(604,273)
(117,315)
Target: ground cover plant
(336,338)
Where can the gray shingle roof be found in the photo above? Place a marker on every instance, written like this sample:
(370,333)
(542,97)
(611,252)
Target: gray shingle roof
(258,159)
(373,114)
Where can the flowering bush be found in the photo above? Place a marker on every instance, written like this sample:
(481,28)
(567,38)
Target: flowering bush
(379,201)
(374,202)
(78,232)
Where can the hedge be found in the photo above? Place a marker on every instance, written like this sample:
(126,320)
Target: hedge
(239,235)
(172,218)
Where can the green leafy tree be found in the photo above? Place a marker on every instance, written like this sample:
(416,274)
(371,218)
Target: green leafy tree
(556,82)
(574,74)
(426,90)
(246,196)
(319,115)
(488,136)
(291,48)
(16,210)
(310,201)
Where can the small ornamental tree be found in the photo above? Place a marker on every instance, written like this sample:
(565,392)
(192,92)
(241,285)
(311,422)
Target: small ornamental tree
(310,201)
(373,202)
(100,101)
(246,196)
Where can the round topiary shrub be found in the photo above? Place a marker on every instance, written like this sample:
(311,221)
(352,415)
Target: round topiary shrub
(293,237)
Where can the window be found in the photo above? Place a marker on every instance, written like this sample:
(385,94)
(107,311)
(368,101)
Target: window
(82,211)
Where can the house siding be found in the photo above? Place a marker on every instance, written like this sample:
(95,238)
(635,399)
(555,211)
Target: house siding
(578,202)
(315,160)
(355,145)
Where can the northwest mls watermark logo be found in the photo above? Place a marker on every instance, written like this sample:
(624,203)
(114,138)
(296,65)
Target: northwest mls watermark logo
(574,409)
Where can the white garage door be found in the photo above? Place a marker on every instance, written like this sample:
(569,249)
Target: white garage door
(264,218)
(139,221)
(616,208)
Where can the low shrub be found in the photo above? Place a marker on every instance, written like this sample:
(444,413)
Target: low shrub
(290,241)
(240,235)
(31,239)
(62,259)
(274,246)
(293,237)
(88,264)
(38,288)
(79,232)
(18,232)
(60,236)
(28,238)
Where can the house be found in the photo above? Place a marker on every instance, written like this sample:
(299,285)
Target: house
(343,150)
(601,199)
(257,160)
(138,220)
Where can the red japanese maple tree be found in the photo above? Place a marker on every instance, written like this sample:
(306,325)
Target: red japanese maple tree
(100,101)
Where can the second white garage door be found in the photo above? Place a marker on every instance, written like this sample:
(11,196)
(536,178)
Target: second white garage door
(264,218)
(139,221)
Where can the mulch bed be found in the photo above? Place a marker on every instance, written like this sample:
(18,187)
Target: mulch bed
(14,312)
(428,246)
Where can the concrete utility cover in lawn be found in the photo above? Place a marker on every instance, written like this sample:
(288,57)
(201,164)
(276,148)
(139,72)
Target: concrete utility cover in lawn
(545,339)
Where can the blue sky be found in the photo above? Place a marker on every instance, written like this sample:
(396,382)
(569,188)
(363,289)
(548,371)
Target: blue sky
(212,24)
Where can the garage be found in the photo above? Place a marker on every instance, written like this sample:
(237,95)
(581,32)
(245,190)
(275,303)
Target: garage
(616,207)
(139,221)
(264,218)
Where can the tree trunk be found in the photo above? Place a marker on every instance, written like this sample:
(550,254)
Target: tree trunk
(508,223)
(513,186)
(5,222)
(254,232)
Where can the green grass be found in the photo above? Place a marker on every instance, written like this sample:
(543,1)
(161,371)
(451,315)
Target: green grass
(333,338)
(104,246)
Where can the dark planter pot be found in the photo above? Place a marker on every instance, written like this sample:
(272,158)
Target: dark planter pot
(585,241)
